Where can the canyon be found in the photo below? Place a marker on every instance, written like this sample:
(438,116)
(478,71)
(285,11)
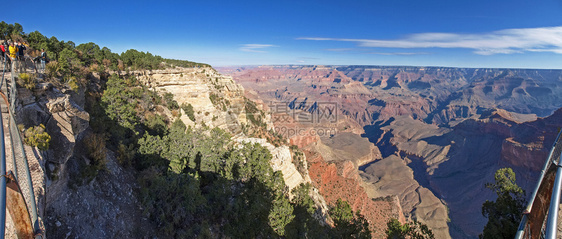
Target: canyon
(406,143)
(430,137)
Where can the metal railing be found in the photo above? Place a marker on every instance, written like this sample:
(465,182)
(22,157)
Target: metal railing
(540,217)
(20,164)
(2,167)
(552,220)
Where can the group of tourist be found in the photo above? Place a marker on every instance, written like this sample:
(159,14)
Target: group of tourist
(14,52)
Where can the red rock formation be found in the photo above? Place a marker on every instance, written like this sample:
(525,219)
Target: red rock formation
(523,155)
(303,141)
(341,180)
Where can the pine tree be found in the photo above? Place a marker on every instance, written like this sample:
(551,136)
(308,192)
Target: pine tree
(504,213)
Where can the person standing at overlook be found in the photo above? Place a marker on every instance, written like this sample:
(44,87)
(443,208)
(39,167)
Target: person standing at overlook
(13,51)
(2,50)
(21,58)
(17,57)
(43,59)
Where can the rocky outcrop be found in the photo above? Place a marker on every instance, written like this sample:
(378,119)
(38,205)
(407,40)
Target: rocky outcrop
(348,147)
(216,99)
(523,155)
(340,180)
(67,123)
(392,177)
(105,207)
(219,102)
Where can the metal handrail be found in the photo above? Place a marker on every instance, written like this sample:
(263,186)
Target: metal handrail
(543,172)
(2,173)
(16,137)
(552,220)
(14,164)
(550,223)
(547,162)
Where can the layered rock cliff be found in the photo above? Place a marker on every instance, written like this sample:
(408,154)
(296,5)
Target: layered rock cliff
(216,99)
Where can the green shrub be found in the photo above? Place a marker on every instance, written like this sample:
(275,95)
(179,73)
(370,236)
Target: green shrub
(298,160)
(188,109)
(183,63)
(37,137)
(89,168)
(253,113)
(52,69)
(170,102)
(72,84)
(27,81)
(155,124)
(95,146)
(172,201)
(348,224)
(125,154)
(176,113)
(215,99)
(413,229)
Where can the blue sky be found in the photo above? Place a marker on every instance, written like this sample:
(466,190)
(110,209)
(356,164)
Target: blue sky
(476,33)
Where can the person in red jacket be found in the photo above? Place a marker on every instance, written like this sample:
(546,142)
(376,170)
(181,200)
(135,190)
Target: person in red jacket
(3,54)
(2,51)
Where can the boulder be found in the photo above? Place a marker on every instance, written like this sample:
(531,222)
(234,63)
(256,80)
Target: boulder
(25,96)
(68,121)
(32,115)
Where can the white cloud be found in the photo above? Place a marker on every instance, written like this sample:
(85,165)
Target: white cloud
(398,53)
(255,47)
(508,41)
(366,51)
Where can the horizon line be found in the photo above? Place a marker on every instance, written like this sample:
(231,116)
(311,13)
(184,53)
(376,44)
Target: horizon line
(368,65)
